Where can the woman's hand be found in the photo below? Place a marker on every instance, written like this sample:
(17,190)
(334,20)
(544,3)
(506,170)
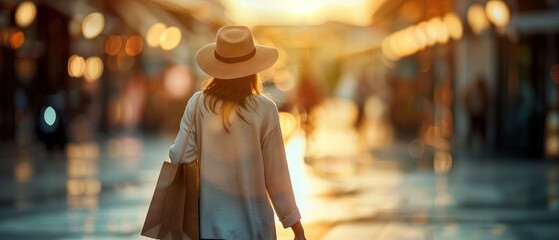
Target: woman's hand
(300,238)
(298,231)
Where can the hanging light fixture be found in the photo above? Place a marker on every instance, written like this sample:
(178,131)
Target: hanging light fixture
(477,18)
(498,13)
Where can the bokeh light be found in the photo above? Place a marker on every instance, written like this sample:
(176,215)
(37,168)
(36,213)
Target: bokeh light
(26,69)
(414,38)
(110,61)
(113,44)
(134,45)
(410,36)
(552,132)
(178,81)
(48,119)
(386,51)
(17,39)
(154,34)
(420,36)
(284,80)
(425,39)
(498,12)
(25,14)
(123,61)
(82,184)
(477,19)
(92,25)
(416,148)
(406,42)
(93,69)
(412,11)
(454,25)
(85,150)
(170,38)
(24,170)
(442,31)
(431,30)
(76,66)
(49,116)
(443,162)
(417,37)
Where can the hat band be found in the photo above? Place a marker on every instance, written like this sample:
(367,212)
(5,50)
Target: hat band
(235,59)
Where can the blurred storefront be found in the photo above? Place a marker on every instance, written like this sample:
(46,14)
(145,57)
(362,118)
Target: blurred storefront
(480,75)
(528,97)
(73,69)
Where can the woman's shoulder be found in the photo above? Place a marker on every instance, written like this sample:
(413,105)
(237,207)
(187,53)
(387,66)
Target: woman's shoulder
(266,102)
(195,98)
(267,110)
(198,95)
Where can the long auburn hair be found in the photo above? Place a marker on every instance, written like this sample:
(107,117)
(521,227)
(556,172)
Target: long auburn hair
(234,95)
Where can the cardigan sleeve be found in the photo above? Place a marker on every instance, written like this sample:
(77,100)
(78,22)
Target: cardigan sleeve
(278,181)
(176,149)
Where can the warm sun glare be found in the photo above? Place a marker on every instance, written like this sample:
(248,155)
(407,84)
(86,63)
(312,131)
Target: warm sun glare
(357,12)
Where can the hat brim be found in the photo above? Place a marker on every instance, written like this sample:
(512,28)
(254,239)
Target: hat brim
(264,58)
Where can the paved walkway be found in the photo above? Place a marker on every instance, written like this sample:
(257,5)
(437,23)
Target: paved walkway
(101,190)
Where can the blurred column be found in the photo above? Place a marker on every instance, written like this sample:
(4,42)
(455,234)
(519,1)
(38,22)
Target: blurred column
(8,81)
(8,78)
(50,86)
(526,56)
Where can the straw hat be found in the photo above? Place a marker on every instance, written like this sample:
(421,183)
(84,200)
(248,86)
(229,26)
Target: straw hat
(234,54)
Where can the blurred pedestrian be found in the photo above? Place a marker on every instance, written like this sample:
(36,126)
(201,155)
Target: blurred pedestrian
(243,166)
(476,101)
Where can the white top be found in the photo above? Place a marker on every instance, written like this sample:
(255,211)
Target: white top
(241,171)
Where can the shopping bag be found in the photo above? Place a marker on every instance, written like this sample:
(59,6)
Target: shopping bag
(173,212)
(174,209)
